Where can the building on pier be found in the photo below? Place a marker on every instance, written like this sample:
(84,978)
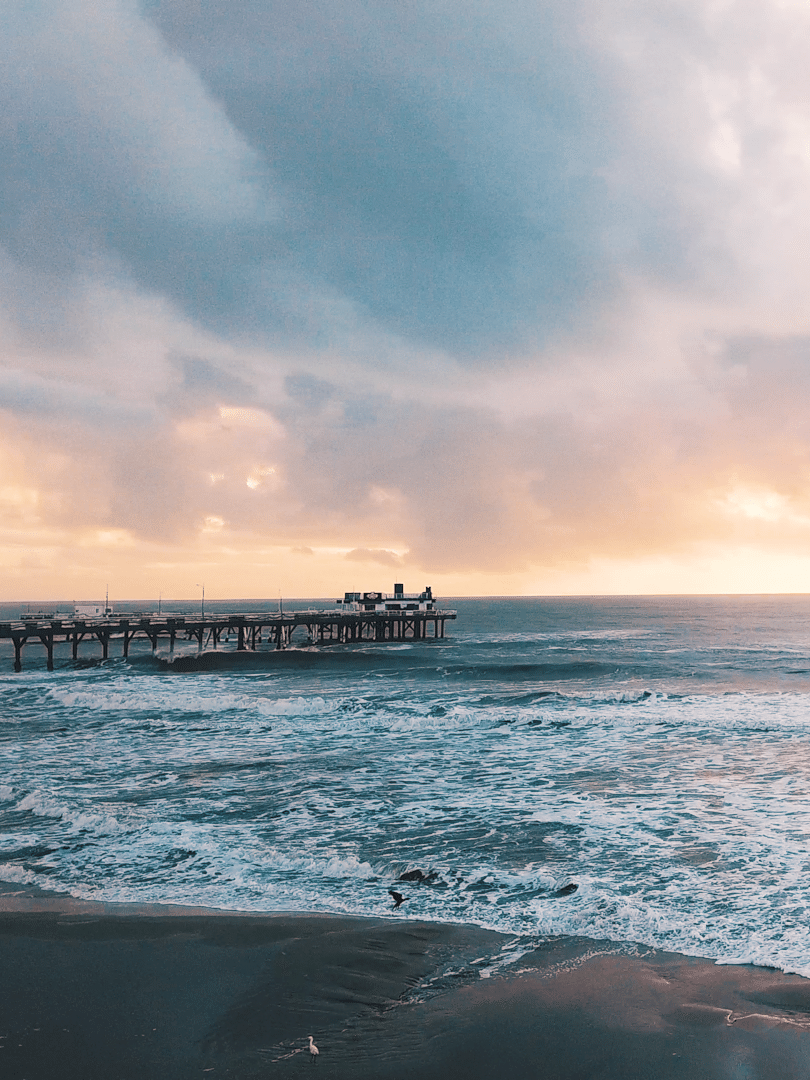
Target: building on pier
(398,600)
(92,609)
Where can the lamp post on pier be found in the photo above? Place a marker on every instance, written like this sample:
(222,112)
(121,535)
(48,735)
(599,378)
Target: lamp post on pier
(202,602)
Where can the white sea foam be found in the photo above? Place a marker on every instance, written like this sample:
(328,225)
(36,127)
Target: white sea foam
(17,840)
(682,816)
(16,875)
(42,804)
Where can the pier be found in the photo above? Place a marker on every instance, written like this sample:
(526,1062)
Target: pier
(249,631)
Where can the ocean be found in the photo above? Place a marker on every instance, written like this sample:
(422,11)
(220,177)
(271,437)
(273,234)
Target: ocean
(654,752)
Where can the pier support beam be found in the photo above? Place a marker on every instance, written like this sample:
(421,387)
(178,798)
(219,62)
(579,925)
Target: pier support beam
(46,638)
(104,637)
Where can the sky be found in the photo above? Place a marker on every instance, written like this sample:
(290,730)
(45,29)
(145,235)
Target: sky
(504,298)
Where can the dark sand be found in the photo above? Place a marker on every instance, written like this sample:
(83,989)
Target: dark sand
(102,992)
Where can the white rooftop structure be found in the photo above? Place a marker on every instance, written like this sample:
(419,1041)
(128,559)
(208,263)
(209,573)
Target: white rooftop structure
(398,600)
(91,609)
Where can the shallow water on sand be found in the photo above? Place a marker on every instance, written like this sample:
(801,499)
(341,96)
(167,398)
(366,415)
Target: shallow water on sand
(652,751)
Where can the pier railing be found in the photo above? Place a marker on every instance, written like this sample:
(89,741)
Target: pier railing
(248,630)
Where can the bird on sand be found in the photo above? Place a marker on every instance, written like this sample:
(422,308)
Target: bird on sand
(313,1051)
(398,897)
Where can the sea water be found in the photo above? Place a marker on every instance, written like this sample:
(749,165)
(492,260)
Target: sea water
(654,752)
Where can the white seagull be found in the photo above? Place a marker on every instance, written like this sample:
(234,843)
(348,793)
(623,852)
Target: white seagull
(313,1050)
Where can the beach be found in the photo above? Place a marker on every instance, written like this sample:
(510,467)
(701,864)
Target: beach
(119,992)
(596,812)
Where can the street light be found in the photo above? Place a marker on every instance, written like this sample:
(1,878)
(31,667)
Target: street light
(202,602)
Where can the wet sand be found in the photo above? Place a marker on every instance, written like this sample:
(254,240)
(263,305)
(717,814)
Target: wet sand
(120,992)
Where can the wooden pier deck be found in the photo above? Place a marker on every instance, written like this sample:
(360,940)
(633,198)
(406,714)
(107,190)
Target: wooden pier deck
(249,630)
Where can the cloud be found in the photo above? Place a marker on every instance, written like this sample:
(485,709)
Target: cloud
(114,150)
(115,115)
(512,289)
(438,173)
(384,558)
(62,402)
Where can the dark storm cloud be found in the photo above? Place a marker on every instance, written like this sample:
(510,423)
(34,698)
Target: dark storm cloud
(199,384)
(441,170)
(112,149)
(436,170)
(63,405)
(464,177)
(309,392)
